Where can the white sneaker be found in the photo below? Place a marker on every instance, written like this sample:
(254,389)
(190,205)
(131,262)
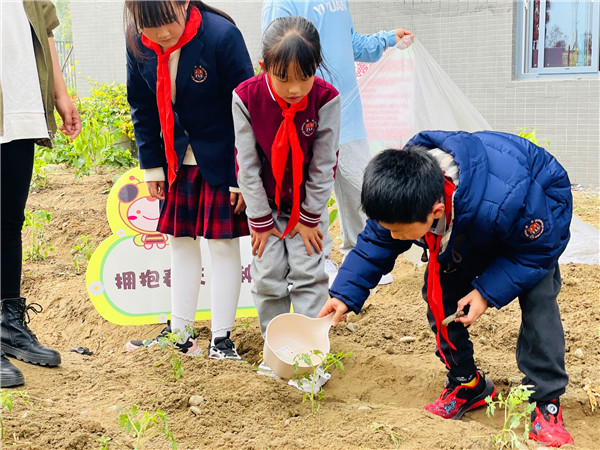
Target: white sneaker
(386,279)
(331,269)
(266,371)
(305,384)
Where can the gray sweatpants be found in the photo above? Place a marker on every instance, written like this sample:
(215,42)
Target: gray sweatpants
(285,275)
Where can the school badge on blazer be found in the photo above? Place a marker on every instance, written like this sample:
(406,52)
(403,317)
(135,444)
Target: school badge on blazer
(199,75)
(309,127)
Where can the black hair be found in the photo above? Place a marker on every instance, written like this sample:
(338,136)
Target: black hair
(402,186)
(291,40)
(138,14)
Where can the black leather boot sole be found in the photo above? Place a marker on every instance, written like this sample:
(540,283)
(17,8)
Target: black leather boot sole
(28,357)
(10,375)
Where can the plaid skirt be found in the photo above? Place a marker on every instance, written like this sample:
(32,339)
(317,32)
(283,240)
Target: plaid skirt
(194,208)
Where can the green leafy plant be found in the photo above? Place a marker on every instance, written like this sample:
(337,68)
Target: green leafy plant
(333,211)
(394,435)
(514,413)
(104,440)
(82,251)
(529,134)
(106,132)
(329,362)
(40,174)
(7,399)
(40,246)
(144,425)
(167,343)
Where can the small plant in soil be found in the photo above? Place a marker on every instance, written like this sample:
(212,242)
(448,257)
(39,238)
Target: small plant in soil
(167,343)
(145,425)
(329,362)
(514,412)
(104,440)
(7,399)
(82,251)
(40,246)
(394,435)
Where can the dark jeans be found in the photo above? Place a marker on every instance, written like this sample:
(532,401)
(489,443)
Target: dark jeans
(541,343)
(16,166)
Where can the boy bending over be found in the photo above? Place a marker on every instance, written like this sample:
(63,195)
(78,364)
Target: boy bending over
(493,210)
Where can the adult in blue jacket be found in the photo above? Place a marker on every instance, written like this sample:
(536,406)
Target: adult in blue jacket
(342,46)
(493,210)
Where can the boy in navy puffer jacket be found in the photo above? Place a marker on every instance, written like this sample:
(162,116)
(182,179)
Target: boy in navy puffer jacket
(493,210)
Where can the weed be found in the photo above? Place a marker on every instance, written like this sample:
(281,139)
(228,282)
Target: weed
(40,247)
(329,362)
(389,430)
(145,425)
(7,399)
(513,414)
(82,251)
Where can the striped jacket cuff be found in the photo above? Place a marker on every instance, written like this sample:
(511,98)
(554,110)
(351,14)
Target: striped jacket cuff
(261,224)
(308,219)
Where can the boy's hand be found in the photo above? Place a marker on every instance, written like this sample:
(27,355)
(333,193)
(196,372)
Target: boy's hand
(259,240)
(237,201)
(477,306)
(157,189)
(310,236)
(331,305)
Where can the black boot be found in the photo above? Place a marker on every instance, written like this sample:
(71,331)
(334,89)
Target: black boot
(9,375)
(17,339)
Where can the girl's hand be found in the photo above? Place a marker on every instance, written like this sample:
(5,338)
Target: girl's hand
(237,201)
(157,189)
(259,240)
(477,306)
(71,125)
(334,304)
(310,236)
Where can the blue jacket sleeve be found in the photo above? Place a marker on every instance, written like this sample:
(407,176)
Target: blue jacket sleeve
(534,237)
(235,67)
(144,116)
(374,255)
(370,47)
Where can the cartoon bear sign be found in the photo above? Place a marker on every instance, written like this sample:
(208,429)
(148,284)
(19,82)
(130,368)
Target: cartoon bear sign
(129,275)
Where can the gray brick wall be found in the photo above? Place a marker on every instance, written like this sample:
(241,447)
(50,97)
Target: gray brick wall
(472,40)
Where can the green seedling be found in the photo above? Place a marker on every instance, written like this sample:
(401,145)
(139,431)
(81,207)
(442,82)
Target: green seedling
(394,436)
(7,399)
(104,440)
(167,343)
(144,425)
(40,246)
(514,413)
(82,251)
(329,362)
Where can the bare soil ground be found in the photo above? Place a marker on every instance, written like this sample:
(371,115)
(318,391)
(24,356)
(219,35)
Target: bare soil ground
(377,402)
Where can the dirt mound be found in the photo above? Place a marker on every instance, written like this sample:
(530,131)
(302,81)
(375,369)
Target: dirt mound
(377,402)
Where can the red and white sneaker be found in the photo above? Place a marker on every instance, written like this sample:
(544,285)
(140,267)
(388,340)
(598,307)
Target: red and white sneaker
(547,425)
(456,399)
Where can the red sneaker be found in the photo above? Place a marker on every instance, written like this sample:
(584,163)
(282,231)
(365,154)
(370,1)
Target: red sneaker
(456,399)
(547,426)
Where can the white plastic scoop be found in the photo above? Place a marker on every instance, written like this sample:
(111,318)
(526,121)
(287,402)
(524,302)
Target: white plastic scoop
(289,335)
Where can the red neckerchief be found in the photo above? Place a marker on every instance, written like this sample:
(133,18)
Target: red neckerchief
(434,287)
(286,138)
(163,87)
